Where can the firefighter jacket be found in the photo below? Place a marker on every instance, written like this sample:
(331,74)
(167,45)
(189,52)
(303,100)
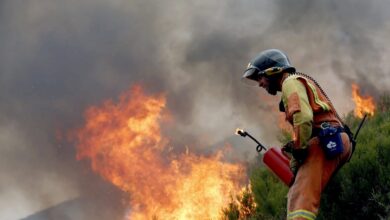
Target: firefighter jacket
(306,107)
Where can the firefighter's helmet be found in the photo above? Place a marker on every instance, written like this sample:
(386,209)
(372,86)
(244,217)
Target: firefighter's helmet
(266,63)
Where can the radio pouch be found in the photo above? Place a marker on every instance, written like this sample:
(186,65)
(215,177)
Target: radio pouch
(330,139)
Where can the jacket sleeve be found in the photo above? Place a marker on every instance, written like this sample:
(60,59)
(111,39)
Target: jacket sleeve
(298,111)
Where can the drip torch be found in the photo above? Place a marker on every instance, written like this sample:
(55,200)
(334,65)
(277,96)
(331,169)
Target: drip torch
(273,158)
(279,163)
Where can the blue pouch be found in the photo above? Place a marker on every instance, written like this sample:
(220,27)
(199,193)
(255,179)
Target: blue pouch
(330,140)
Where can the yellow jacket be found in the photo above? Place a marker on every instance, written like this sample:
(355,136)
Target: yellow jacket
(306,107)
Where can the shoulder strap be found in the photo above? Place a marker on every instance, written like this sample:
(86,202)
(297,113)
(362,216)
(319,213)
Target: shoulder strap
(345,126)
(322,91)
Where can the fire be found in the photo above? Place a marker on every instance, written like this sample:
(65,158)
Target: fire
(238,131)
(125,145)
(363,105)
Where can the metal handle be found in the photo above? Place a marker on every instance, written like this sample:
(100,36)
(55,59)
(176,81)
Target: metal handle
(243,133)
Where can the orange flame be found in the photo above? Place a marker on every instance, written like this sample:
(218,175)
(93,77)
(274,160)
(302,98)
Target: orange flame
(124,143)
(363,105)
(238,131)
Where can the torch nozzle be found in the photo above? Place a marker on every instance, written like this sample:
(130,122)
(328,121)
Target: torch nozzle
(241,132)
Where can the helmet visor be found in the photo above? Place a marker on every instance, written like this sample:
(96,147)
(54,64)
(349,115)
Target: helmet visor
(251,77)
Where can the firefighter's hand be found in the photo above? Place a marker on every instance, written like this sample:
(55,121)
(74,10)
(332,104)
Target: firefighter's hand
(294,166)
(288,148)
(300,155)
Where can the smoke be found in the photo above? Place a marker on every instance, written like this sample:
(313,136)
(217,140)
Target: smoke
(59,57)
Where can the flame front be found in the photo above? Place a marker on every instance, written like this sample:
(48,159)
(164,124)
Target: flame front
(125,146)
(363,105)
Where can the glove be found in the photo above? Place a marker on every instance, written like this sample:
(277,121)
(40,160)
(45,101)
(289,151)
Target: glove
(294,166)
(300,155)
(288,148)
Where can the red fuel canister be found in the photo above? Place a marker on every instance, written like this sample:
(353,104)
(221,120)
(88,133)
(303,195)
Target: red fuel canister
(279,164)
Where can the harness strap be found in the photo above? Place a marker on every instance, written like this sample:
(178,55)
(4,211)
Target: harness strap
(316,131)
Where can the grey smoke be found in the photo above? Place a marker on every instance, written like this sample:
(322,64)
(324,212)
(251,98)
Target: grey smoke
(59,57)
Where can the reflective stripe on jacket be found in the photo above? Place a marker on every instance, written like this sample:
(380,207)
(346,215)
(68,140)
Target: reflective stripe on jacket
(301,213)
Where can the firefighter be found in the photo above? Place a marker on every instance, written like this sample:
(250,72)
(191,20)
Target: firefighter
(310,112)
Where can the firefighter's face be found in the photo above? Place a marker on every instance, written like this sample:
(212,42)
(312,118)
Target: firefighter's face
(268,84)
(264,82)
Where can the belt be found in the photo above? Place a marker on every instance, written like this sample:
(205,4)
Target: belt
(316,131)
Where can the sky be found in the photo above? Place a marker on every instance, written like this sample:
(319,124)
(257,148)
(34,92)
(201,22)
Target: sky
(59,57)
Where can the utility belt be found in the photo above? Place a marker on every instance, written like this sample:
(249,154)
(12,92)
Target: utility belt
(330,139)
(316,131)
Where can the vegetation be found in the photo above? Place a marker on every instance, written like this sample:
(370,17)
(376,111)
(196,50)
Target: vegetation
(360,190)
